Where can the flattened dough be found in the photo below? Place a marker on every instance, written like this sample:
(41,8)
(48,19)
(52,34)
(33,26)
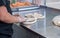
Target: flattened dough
(32,18)
(56,20)
(38,16)
(30,21)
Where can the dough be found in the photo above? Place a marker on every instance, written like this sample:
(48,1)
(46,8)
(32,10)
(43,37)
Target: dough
(35,15)
(56,20)
(38,16)
(32,18)
(30,21)
(30,15)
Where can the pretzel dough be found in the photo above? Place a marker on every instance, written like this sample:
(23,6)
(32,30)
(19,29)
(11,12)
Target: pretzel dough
(30,21)
(56,20)
(30,15)
(32,18)
(38,16)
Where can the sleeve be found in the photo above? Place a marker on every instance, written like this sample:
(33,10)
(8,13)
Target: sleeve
(1,3)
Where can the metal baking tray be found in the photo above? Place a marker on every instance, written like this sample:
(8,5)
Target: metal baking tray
(21,8)
(52,30)
(26,12)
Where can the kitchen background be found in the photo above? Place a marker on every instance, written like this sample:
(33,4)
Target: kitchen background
(53,3)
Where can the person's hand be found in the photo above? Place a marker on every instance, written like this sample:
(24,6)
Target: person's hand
(21,19)
(16,15)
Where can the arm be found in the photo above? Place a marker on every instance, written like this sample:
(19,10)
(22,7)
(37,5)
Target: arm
(8,18)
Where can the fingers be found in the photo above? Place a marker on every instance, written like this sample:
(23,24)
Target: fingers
(21,19)
(16,15)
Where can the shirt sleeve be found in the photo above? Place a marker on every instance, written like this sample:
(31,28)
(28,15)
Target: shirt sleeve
(1,3)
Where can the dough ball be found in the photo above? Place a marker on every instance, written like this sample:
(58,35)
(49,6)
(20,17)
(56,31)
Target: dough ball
(56,20)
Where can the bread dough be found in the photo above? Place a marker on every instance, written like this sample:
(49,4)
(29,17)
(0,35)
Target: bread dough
(30,15)
(32,18)
(38,16)
(56,20)
(30,21)
(35,15)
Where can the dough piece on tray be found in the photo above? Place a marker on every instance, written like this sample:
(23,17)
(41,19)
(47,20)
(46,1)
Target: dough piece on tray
(30,15)
(38,16)
(30,19)
(56,20)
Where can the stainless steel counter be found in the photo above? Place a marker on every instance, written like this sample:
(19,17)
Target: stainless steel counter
(51,30)
(45,27)
(39,27)
(48,30)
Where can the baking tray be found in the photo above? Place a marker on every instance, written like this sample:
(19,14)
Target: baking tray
(52,31)
(26,12)
(25,8)
(37,27)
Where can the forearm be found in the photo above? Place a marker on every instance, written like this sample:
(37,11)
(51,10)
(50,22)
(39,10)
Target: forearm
(7,17)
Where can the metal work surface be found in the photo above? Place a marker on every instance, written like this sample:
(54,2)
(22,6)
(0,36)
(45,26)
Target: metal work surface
(52,31)
(39,26)
(47,30)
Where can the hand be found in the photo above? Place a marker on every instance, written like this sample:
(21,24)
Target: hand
(21,19)
(16,15)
